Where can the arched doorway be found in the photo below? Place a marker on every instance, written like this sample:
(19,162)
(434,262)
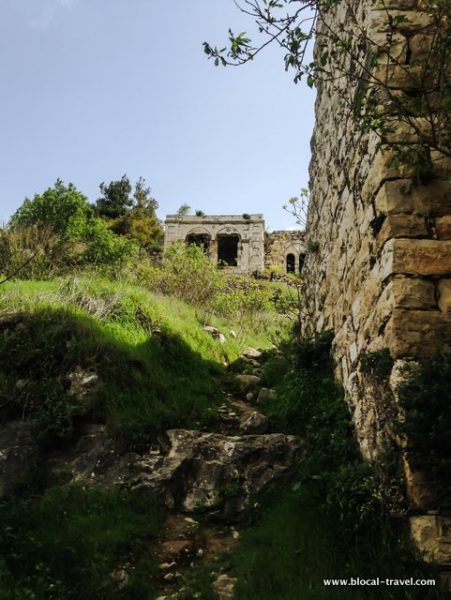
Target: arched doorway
(228,249)
(202,240)
(291,263)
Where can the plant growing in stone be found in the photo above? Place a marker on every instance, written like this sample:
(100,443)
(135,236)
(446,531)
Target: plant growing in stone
(390,67)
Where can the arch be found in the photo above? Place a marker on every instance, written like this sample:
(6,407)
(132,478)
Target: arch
(199,237)
(228,249)
(291,263)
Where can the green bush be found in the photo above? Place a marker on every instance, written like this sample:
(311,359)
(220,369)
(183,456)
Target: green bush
(60,224)
(186,273)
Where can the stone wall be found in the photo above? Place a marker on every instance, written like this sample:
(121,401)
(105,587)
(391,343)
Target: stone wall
(381,276)
(285,249)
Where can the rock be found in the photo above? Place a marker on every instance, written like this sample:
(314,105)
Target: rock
(121,577)
(233,334)
(250,396)
(19,456)
(176,548)
(206,470)
(266,394)
(247,382)
(224,586)
(215,333)
(81,382)
(252,353)
(255,423)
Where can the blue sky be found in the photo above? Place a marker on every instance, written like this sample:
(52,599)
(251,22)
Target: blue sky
(93,89)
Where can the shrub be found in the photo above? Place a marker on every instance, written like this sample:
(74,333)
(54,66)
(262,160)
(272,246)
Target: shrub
(188,274)
(60,228)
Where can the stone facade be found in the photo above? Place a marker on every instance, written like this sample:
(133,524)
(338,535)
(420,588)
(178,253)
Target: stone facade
(381,275)
(285,251)
(238,243)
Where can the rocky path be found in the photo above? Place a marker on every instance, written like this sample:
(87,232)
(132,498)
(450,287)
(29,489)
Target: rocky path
(206,479)
(256,459)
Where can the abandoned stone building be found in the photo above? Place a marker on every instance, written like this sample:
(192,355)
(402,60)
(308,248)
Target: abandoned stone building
(238,242)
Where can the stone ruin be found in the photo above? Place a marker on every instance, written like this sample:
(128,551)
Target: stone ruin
(239,243)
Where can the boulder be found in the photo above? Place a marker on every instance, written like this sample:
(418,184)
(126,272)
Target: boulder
(206,471)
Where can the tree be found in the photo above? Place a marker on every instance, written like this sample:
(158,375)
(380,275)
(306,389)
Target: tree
(183,210)
(371,59)
(74,235)
(132,215)
(115,199)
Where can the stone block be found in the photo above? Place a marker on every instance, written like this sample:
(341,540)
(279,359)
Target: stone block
(432,535)
(417,333)
(443,227)
(422,257)
(444,295)
(401,196)
(413,293)
(402,225)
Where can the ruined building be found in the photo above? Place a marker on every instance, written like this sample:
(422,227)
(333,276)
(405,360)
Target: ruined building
(238,243)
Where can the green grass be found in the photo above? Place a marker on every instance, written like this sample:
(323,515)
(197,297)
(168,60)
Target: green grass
(296,545)
(66,545)
(157,367)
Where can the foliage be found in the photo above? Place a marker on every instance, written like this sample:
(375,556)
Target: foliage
(68,543)
(293,545)
(335,520)
(367,59)
(188,274)
(183,210)
(425,396)
(378,363)
(60,226)
(133,216)
(115,199)
(157,368)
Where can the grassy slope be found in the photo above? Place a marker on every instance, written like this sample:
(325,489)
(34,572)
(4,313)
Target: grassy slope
(157,368)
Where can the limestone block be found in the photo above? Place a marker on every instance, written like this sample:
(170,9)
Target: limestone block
(420,46)
(443,227)
(444,292)
(413,293)
(432,534)
(417,333)
(422,257)
(395,197)
(402,225)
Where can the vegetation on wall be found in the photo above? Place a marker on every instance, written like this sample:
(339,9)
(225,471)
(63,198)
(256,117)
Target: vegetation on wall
(374,61)
(425,397)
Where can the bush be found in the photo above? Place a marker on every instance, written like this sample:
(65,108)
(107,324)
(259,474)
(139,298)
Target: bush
(188,274)
(60,232)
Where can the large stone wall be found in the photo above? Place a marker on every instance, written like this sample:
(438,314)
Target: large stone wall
(381,276)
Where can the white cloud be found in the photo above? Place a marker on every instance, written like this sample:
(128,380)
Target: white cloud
(44,17)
